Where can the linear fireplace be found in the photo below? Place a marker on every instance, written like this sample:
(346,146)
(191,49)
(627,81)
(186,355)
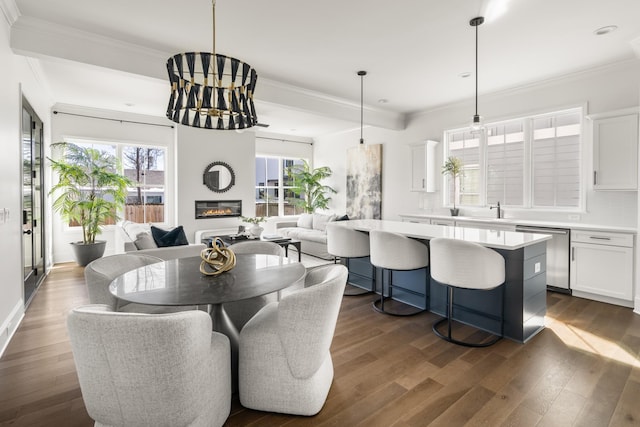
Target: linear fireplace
(218,208)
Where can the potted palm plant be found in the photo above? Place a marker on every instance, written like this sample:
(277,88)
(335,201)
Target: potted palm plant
(307,185)
(453,167)
(89,193)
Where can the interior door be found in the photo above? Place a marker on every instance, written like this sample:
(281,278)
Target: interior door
(32,201)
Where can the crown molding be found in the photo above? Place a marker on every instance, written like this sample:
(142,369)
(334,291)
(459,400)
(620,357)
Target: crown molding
(489,96)
(10,11)
(42,39)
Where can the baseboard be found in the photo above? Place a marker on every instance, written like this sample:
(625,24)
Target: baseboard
(603,298)
(636,309)
(10,325)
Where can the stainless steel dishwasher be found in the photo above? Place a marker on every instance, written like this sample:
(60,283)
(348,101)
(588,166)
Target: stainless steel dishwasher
(557,256)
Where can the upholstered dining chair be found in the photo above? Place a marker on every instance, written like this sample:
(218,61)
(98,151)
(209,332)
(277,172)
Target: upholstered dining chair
(241,311)
(347,243)
(150,369)
(285,365)
(99,273)
(467,265)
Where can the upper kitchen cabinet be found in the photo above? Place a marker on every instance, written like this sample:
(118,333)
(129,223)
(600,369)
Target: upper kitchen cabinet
(423,165)
(615,152)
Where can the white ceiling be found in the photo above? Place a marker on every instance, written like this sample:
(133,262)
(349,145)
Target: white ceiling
(413,50)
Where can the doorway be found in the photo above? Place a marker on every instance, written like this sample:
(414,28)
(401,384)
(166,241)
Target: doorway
(32,201)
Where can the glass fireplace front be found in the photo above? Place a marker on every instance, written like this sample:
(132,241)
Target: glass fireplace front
(218,208)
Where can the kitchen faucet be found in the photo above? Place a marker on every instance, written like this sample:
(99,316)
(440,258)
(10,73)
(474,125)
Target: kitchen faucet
(499,212)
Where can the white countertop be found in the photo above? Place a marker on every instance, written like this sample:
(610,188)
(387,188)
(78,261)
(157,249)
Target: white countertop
(497,239)
(528,222)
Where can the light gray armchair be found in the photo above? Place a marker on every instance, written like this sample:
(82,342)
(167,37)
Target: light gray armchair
(100,273)
(241,311)
(285,363)
(151,369)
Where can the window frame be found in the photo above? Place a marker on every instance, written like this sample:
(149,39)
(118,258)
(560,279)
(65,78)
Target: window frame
(118,145)
(528,170)
(280,188)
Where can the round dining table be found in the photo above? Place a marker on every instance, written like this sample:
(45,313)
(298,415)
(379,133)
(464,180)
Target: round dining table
(179,282)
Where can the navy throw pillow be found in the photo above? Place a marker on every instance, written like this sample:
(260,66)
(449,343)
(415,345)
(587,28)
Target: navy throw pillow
(343,218)
(164,238)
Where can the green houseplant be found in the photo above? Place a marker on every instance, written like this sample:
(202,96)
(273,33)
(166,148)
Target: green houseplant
(256,230)
(89,192)
(307,185)
(453,167)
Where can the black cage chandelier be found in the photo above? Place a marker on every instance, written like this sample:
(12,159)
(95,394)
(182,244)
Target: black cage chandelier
(210,90)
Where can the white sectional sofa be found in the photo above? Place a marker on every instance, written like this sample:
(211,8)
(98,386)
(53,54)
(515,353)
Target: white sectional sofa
(311,230)
(137,238)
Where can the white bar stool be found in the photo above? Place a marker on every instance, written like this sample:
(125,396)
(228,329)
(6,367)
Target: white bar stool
(392,251)
(347,243)
(468,265)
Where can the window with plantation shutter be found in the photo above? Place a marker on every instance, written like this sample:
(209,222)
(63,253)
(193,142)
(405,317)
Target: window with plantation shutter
(466,147)
(505,163)
(531,162)
(556,160)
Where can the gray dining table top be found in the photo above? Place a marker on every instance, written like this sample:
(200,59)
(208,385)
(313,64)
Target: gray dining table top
(180,282)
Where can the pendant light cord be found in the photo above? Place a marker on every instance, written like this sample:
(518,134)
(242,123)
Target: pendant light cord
(476,69)
(361,108)
(476,22)
(362,74)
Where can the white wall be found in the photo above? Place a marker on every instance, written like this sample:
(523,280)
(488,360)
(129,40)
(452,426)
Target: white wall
(196,149)
(76,126)
(605,89)
(17,78)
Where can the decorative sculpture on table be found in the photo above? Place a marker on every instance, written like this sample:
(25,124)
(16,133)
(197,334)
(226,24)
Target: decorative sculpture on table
(217,259)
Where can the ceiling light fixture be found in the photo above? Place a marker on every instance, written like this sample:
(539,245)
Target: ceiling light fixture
(605,30)
(476,124)
(210,90)
(361,74)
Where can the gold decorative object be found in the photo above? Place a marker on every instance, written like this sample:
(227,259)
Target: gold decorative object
(217,259)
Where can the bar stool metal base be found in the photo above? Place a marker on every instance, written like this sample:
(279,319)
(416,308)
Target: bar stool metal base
(378,305)
(353,290)
(448,320)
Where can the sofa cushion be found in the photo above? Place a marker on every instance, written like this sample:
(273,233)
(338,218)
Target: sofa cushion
(145,240)
(304,234)
(320,221)
(132,229)
(164,238)
(305,221)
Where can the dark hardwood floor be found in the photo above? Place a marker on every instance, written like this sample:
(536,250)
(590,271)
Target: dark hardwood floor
(582,370)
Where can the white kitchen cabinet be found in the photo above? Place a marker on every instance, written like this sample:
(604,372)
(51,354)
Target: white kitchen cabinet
(615,152)
(423,174)
(602,266)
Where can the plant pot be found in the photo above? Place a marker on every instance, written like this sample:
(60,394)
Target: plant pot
(454,212)
(256,231)
(85,253)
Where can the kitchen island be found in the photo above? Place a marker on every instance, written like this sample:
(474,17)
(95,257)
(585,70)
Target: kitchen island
(525,271)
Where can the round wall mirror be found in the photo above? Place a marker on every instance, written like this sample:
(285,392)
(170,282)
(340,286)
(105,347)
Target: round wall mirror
(218,177)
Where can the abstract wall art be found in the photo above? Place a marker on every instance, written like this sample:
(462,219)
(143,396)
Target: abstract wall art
(364,182)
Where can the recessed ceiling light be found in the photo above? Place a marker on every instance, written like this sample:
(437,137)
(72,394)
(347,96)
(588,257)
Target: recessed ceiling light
(605,30)
(465,74)
(382,101)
